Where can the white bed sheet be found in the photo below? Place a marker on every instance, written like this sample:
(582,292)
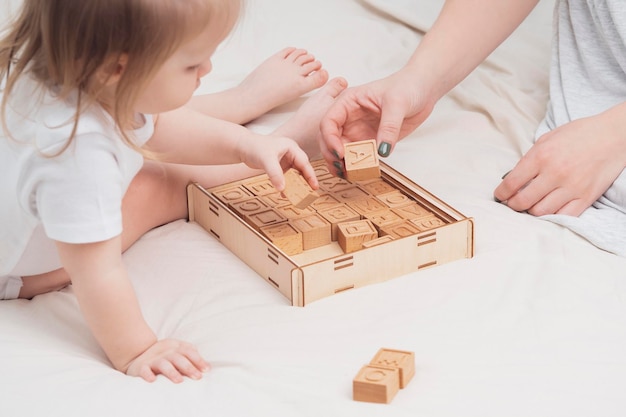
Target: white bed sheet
(533,325)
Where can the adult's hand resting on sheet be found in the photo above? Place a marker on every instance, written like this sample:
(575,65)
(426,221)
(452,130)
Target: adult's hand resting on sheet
(568,168)
(387,109)
(172,358)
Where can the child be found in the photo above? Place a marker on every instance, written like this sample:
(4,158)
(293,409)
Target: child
(89,89)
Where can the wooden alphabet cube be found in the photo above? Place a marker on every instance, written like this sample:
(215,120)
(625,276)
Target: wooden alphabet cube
(428,222)
(351,194)
(394,199)
(400,230)
(292,212)
(411,211)
(315,231)
(367,206)
(403,360)
(297,190)
(250,206)
(325,201)
(334,184)
(321,170)
(285,237)
(338,214)
(376,384)
(352,235)
(276,199)
(377,186)
(260,186)
(264,218)
(384,218)
(233,194)
(361,160)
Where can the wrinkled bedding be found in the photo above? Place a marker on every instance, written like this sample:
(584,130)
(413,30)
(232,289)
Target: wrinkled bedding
(533,325)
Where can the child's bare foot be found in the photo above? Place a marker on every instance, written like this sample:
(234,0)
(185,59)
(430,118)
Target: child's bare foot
(40,284)
(279,79)
(303,126)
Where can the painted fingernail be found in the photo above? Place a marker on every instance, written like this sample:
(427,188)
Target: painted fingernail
(338,165)
(340,174)
(507,173)
(384,148)
(336,154)
(496,200)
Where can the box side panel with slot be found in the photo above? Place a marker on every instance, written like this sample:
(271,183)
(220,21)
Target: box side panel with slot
(240,238)
(383,262)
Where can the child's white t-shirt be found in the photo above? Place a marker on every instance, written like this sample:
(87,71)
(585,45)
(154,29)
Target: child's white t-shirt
(74,197)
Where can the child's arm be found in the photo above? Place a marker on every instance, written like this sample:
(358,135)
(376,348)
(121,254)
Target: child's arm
(107,300)
(189,137)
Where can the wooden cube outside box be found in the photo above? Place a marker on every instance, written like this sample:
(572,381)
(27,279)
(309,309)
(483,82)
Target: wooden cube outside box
(380,380)
(401,359)
(305,266)
(376,384)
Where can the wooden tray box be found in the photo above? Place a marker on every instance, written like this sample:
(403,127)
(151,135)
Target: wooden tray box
(326,270)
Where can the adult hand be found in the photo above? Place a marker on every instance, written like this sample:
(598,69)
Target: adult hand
(172,358)
(387,109)
(567,169)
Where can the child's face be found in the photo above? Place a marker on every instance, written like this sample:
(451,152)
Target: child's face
(177,79)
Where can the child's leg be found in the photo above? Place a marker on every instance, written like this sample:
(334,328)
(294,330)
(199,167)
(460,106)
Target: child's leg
(281,78)
(158,194)
(303,126)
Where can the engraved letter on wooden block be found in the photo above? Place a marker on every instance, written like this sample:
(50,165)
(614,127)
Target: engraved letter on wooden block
(248,207)
(377,186)
(233,194)
(394,199)
(265,218)
(361,160)
(384,218)
(325,201)
(376,384)
(297,190)
(411,211)
(401,359)
(262,186)
(400,230)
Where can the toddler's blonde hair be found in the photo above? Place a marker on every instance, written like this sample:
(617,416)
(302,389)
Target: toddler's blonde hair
(65,43)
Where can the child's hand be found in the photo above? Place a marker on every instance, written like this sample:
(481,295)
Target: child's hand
(172,358)
(275,155)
